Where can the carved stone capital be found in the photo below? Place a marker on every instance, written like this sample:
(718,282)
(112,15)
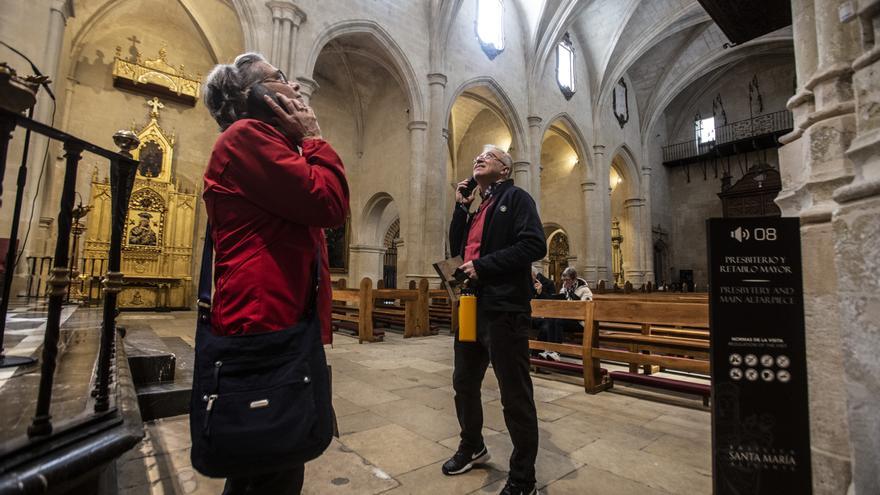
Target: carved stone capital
(307,86)
(437,78)
(534,121)
(287,11)
(417,125)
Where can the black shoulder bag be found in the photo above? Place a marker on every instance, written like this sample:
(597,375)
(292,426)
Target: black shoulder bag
(260,402)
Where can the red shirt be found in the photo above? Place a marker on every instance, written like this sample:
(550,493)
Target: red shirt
(475,234)
(267,205)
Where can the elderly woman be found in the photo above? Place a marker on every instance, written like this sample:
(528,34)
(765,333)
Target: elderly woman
(271,186)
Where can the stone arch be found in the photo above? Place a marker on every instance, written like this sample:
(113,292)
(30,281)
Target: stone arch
(411,87)
(379,213)
(629,168)
(627,219)
(78,39)
(578,142)
(506,106)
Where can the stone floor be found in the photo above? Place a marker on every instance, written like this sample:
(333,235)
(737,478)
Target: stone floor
(397,422)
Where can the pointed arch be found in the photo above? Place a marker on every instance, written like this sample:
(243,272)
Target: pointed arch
(379,213)
(631,165)
(78,39)
(580,144)
(402,65)
(511,117)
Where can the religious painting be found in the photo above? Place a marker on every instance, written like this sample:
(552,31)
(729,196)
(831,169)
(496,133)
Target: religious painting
(151,155)
(143,233)
(619,102)
(337,247)
(143,228)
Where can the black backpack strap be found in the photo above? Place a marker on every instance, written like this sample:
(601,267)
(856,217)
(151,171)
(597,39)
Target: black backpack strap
(205,275)
(207,272)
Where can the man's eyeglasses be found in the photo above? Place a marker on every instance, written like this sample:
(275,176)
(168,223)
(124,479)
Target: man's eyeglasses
(278,76)
(485,156)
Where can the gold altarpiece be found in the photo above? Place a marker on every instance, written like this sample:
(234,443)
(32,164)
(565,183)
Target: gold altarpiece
(157,242)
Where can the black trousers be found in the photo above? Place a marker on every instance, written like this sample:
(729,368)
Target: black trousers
(281,483)
(503,340)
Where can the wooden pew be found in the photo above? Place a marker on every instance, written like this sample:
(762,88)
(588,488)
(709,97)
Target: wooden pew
(353,310)
(634,332)
(594,380)
(441,312)
(404,307)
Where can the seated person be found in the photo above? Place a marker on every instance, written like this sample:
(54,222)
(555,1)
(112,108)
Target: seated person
(543,288)
(573,289)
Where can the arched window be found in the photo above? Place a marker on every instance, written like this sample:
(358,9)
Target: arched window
(565,66)
(490,26)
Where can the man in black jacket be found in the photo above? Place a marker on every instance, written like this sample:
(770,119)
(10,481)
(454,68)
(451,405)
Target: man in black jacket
(498,243)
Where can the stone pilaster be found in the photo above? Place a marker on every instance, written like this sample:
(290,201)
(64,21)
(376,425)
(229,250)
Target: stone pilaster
(592,226)
(601,211)
(59,12)
(536,140)
(429,193)
(286,19)
(633,269)
(646,238)
(414,233)
(521,175)
(367,261)
(813,165)
(856,230)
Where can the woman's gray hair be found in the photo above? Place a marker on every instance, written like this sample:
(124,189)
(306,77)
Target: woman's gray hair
(227,85)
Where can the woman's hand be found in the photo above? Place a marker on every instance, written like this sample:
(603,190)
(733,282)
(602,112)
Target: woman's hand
(297,120)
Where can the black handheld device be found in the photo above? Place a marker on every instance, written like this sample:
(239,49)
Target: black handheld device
(257,107)
(469,188)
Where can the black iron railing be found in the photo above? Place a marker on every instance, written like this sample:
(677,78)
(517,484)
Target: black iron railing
(86,285)
(762,125)
(52,276)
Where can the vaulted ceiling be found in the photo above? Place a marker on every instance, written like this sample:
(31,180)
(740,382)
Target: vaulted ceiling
(660,45)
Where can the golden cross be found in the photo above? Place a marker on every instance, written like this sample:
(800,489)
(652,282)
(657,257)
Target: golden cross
(155,105)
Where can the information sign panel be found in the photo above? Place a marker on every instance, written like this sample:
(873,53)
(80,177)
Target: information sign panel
(760,423)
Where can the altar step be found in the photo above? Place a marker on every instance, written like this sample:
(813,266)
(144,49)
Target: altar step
(161,370)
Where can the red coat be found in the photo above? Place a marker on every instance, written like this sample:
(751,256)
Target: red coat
(267,205)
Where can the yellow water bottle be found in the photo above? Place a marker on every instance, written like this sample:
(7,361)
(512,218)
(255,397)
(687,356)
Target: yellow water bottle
(467,316)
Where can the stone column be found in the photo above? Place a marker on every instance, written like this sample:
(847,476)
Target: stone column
(633,269)
(307,88)
(521,175)
(414,233)
(536,138)
(366,261)
(647,238)
(59,12)
(592,227)
(856,228)
(813,165)
(602,214)
(286,19)
(429,191)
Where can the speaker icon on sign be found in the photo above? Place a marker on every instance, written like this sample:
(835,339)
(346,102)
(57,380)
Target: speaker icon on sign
(739,234)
